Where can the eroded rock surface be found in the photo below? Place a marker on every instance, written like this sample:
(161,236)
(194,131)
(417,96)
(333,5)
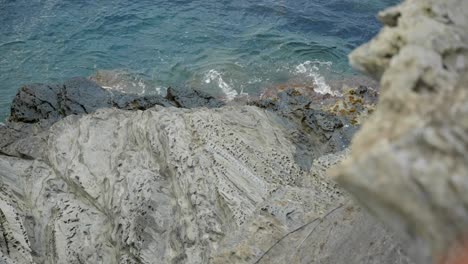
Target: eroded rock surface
(409,163)
(116,175)
(173,185)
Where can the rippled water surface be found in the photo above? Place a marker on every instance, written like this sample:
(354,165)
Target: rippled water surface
(224,47)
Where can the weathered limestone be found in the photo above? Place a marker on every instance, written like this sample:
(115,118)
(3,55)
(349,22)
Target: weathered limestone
(409,163)
(237,184)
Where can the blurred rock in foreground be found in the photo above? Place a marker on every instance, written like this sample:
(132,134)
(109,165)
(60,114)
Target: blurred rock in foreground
(409,163)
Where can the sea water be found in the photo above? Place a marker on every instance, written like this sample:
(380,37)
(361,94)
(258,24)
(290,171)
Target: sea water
(227,48)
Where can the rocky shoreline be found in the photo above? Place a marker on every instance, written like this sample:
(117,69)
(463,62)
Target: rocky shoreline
(94,175)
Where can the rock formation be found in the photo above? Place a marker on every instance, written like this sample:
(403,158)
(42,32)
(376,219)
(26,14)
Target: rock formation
(92,175)
(155,182)
(409,163)
(37,106)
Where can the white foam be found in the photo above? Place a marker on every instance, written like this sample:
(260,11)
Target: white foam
(215,76)
(311,69)
(158,90)
(242,93)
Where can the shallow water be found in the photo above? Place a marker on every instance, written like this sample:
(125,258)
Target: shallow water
(223,47)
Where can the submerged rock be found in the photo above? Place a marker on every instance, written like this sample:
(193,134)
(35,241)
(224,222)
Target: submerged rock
(124,82)
(409,163)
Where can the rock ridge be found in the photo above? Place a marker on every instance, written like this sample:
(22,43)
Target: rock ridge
(234,184)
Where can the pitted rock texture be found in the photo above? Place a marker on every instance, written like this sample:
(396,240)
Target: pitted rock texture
(171,185)
(409,163)
(324,131)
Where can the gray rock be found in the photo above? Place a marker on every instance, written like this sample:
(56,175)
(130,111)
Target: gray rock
(171,185)
(409,163)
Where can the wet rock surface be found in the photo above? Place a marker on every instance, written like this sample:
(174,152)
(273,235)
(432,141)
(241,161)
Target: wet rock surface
(37,102)
(188,98)
(409,162)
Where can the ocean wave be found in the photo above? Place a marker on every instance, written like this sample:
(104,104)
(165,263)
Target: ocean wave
(311,69)
(216,77)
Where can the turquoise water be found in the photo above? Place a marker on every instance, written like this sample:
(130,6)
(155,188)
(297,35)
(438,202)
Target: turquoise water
(224,47)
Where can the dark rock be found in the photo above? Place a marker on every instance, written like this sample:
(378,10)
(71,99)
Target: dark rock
(135,102)
(321,121)
(322,132)
(76,96)
(37,106)
(336,132)
(192,98)
(268,103)
(24,140)
(79,95)
(368,94)
(362,89)
(8,135)
(286,102)
(82,96)
(35,102)
(292,104)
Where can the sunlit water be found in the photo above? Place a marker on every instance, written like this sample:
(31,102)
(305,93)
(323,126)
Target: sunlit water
(224,47)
